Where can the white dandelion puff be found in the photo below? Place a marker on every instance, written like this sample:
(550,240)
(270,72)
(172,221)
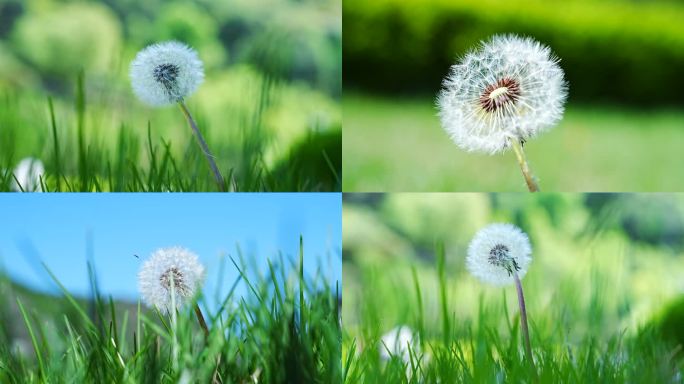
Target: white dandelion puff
(166,73)
(403,343)
(497,252)
(28,173)
(21,347)
(170,267)
(509,89)
(397,343)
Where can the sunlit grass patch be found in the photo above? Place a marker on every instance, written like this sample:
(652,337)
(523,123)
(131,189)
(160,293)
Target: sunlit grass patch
(398,145)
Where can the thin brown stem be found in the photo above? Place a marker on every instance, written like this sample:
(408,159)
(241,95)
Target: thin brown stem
(203,146)
(216,379)
(523,322)
(522,161)
(200,318)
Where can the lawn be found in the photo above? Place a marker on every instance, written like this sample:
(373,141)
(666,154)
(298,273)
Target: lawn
(398,145)
(596,294)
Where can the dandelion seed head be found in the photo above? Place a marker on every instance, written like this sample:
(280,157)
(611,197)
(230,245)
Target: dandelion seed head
(169,270)
(509,88)
(21,347)
(28,173)
(396,343)
(497,251)
(165,73)
(402,342)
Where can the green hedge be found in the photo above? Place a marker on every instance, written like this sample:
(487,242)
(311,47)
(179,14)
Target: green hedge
(617,51)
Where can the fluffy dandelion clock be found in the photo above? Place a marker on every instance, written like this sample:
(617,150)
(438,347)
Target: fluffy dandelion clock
(397,342)
(28,174)
(170,270)
(497,251)
(505,92)
(165,73)
(402,342)
(509,88)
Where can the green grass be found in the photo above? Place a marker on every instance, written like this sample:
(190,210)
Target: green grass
(488,347)
(594,295)
(399,145)
(104,141)
(264,336)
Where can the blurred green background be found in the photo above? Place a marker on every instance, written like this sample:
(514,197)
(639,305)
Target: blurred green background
(601,263)
(624,125)
(270,103)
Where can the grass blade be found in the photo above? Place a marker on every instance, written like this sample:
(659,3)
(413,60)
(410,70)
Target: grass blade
(34,341)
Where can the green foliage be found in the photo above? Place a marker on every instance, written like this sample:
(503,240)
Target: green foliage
(426,217)
(399,145)
(622,51)
(669,323)
(652,221)
(59,42)
(286,39)
(13,73)
(260,337)
(189,23)
(10,10)
(318,156)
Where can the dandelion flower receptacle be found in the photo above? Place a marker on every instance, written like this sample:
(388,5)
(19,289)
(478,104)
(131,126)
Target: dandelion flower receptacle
(170,279)
(500,254)
(165,74)
(502,94)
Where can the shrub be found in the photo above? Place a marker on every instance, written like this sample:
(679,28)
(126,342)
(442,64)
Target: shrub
(71,37)
(624,52)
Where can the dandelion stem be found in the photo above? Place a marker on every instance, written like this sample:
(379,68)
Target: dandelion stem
(523,321)
(522,161)
(201,320)
(203,146)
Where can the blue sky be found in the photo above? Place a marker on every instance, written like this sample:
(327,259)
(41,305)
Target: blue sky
(54,228)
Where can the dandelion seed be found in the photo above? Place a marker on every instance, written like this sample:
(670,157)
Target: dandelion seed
(28,173)
(497,251)
(502,94)
(499,254)
(170,270)
(166,73)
